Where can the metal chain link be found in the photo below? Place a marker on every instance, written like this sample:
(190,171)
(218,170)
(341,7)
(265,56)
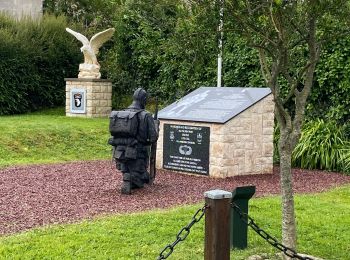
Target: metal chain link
(271,240)
(182,235)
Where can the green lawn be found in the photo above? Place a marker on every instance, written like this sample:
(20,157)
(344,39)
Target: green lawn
(323,230)
(52,137)
(323,220)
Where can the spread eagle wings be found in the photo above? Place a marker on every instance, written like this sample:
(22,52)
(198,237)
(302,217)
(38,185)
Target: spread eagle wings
(79,36)
(100,38)
(96,41)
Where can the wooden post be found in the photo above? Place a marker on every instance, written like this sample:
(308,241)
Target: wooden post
(217,221)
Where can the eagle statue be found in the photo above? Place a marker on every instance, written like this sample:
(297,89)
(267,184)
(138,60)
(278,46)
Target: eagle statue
(91,68)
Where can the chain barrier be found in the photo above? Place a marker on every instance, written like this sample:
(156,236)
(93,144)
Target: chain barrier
(182,235)
(271,240)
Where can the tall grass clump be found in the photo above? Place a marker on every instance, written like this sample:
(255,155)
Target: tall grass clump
(35,57)
(323,145)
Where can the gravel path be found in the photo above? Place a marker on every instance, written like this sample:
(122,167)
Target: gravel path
(32,196)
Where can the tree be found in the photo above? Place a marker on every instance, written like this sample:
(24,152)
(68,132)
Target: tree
(165,46)
(288,35)
(91,13)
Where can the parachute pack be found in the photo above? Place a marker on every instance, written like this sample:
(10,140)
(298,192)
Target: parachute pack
(124,123)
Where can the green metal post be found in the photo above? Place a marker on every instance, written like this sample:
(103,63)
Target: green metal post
(239,229)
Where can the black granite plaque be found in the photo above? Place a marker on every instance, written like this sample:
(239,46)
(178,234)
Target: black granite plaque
(212,104)
(186,148)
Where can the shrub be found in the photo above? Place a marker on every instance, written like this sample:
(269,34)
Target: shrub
(16,79)
(92,13)
(35,57)
(162,46)
(323,145)
(330,97)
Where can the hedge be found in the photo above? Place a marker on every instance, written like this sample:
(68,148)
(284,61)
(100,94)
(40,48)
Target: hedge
(35,57)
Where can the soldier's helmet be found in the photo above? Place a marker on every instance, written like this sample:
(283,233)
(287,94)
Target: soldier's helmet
(140,97)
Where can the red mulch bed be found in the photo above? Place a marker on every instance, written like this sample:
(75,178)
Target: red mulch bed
(32,196)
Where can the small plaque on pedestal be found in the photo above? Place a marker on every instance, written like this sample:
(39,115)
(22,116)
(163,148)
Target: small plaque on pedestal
(78,101)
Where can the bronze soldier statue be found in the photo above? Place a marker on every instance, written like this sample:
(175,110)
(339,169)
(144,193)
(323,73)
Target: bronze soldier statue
(133,130)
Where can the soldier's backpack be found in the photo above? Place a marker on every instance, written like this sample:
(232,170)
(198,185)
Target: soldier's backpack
(124,123)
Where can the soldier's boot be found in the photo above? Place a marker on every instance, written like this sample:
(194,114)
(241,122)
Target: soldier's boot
(126,186)
(137,180)
(146,178)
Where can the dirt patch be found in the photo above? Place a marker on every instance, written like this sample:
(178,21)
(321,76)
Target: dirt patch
(32,196)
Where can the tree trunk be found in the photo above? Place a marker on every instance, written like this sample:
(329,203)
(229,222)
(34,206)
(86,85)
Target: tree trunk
(288,216)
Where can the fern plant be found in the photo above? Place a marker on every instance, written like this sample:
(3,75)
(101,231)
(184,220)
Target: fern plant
(323,145)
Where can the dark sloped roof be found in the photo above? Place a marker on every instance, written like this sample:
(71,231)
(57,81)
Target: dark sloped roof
(213,104)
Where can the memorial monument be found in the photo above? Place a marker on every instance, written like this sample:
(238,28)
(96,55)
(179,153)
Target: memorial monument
(220,132)
(89,95)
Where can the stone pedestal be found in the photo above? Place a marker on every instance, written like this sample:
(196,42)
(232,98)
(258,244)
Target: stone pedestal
(95,97)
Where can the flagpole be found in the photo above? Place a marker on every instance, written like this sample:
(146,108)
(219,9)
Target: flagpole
(220,43)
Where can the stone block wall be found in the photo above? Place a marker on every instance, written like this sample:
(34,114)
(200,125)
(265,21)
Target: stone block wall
(98,96)
(241,146)
(20,8)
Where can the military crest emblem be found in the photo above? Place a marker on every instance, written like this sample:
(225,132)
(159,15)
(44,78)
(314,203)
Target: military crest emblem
(78,101)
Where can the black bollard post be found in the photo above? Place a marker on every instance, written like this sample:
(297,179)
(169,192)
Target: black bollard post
(239,229)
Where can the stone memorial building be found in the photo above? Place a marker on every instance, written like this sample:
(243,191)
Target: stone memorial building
(220,132)
(22,8)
